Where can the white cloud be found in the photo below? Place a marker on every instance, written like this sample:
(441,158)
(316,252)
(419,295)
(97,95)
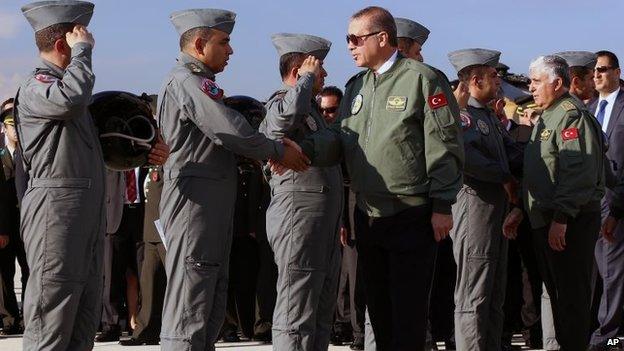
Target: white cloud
(10,24)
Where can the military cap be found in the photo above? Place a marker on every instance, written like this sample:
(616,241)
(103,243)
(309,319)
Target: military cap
(579,58)
(461,59)
(409,29)
(43,14)
(6,112)
(186,20)
(286,43)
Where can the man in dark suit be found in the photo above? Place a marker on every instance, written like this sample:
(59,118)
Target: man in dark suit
(13,246)
(609,253)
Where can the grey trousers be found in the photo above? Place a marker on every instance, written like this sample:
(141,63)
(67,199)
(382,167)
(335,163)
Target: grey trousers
(480,252)
(610,263)
(302,229)
(63,229)
(198,231)
(369,334)
(548,323)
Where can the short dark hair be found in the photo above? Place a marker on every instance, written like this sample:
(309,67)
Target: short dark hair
(46,37)
(408,41)
(380,20)
(613,60)
(189,35)
(465,73)
(289,61)
(579,71)
(332,91)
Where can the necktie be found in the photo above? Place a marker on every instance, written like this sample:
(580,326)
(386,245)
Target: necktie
(601,111)
(131,191)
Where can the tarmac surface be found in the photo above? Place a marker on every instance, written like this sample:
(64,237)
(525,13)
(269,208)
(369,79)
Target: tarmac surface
(15,344)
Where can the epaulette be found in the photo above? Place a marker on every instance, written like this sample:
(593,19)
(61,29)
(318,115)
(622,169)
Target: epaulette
(280,93)
(194,68)
(356,76)
(570,109)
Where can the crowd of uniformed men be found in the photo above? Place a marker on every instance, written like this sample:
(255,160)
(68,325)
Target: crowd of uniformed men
(359,217)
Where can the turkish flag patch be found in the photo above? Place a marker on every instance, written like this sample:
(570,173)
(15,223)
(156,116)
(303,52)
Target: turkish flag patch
(569,134)
(437,101)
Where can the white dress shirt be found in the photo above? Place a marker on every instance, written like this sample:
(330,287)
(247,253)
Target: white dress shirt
(386,66)
(608,109)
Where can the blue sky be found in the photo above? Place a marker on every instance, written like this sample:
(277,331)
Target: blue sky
(136,44)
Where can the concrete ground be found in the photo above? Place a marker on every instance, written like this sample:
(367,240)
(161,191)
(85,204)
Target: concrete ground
(15,344)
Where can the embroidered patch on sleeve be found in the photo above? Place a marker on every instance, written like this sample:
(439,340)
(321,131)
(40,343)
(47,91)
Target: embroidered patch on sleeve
(437,101)
(44,78)
(569,134)
(211,89)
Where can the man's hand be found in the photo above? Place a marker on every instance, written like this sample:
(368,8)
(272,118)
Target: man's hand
(462,94)
(310,65)
(529,117)
(511,191)
(159,153)
(608,229)
(442,224)
(80,34)
(293,159)
(512,221)
(556,236)
(4,241)
(343,237)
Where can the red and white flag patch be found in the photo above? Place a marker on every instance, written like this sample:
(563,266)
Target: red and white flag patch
(569,134)
(211,89)
(437,101)
(44,78)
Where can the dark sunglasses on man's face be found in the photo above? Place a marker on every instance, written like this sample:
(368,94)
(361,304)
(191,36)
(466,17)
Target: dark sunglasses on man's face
(332,109)
(602,69)
(358,40)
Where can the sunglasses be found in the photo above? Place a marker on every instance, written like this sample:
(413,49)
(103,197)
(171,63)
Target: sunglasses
(358,40)
(602,69)
(332,109)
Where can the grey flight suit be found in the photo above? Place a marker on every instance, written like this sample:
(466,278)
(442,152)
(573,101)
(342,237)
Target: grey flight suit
(197,202)
(303,222)
(479,247)
(63,212)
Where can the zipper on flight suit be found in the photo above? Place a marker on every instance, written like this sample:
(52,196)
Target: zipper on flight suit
(369,122)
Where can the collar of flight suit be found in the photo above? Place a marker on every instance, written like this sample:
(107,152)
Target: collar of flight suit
(472,102)
(186,59)
(54,70)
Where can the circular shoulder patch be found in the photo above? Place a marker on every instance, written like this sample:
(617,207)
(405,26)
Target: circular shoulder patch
(311,123)
(211,89)
(356,104)
(466,121)
(483,127)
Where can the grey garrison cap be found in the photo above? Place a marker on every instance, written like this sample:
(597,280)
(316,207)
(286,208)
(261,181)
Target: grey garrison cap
(186,20)
(579,58)
(409,29)
(43,14)
(461,59)
(286,43)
